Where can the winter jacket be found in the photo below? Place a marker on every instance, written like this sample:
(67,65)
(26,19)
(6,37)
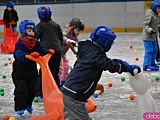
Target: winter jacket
(151,23)
(22,65)
(50,34)
(8,16)
(92,61)
(67,35)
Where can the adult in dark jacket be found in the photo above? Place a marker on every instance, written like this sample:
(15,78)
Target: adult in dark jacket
(92,61)
(10,14)
(51,37)
(25,73)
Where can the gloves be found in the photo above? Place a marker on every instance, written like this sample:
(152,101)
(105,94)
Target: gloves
(71,41)
(130,68)
(51,51)
(35,54)
(152,32)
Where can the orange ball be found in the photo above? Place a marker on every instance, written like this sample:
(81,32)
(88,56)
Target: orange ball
(131,97)
(109,84)
(6,117)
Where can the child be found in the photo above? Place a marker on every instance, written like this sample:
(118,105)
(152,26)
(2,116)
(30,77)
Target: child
(10,14)
(51,37)
(25,72)
(92,61)
(69,35)
(149,36)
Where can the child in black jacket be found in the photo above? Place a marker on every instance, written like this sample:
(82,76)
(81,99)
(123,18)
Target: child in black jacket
(25,73)
(83,78)
(51,37)
(10,14)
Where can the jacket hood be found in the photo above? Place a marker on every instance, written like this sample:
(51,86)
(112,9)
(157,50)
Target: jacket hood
(86,47)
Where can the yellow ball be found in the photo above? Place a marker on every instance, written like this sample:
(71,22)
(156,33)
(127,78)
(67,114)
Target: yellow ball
(135,51)
(12,118)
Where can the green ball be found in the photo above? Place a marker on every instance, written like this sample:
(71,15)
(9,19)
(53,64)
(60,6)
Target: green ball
(123,78)
(1,90)
(2,93)
(5,64)
(90,118)
(36,99)
(3,76)
(158,63)
(156,78)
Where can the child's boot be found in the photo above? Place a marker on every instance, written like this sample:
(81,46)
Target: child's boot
(29,109)
(156,67)
(149,68)
(20,112)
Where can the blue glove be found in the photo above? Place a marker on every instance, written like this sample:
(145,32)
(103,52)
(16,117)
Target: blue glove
(130,68)
(122,62)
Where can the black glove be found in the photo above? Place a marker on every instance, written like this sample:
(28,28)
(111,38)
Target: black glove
(152,32)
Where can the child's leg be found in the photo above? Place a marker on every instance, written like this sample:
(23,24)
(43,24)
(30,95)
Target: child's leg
(39,85)
(20,92)
(158,52)
(64,68)
(74,109)
(155,49)
(148,53)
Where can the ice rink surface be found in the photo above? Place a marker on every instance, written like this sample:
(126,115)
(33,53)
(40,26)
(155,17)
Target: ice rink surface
(114,103)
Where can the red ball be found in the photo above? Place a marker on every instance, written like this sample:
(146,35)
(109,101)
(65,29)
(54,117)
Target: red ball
(6,117)
(131,47)
(109,84)
(136,58)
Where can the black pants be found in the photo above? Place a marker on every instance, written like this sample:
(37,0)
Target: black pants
(158,52)
(25,90)
(54,64)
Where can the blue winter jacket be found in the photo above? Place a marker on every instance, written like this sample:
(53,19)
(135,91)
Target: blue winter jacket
(92,61)
(21,64)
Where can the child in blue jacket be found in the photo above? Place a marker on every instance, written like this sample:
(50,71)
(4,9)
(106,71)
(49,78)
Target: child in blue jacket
(25,73)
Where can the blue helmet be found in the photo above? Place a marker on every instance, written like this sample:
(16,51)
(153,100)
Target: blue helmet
(10,4)
(103,36)
(44,12)
(25,24)
(154,5)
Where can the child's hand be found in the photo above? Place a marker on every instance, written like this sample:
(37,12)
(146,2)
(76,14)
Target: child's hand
(51,51)
(68,41)
(35,54)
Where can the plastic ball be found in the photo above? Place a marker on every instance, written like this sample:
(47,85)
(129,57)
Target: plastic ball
(135,51)
(122,78)
(2,93)
(3,76)
(36,99)
(95,95)
(6,117)
(131,97)
(12,118)
(136,58)
(5,64)
(131,47)
(156,78)
(9,58)
(10,62)
(1,90)
(158,63)
(109,84)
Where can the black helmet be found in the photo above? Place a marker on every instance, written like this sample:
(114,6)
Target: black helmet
(77,23)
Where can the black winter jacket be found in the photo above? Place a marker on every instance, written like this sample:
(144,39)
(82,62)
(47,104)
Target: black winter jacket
(92,61)
(50,34)
(8,16)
